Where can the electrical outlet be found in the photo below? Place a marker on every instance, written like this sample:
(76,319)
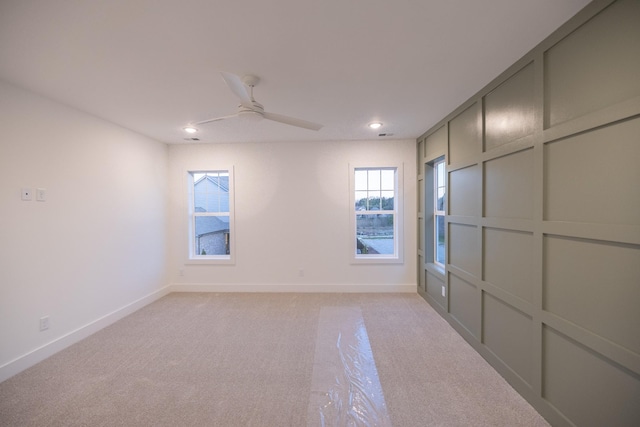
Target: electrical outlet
(41,194)
(26,194)
(301,272)
(44,323)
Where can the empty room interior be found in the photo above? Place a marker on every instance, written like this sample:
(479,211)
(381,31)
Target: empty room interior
(340,213)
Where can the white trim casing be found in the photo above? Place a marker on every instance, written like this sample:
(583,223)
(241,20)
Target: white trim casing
(398,256)
(190,258)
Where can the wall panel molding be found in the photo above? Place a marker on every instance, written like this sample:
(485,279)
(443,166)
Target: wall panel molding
(544,278)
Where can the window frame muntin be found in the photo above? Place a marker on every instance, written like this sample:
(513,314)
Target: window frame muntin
(436,212)
(191,256)
(398,256)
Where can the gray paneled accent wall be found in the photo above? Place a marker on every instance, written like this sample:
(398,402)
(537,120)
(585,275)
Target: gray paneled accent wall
(542,272)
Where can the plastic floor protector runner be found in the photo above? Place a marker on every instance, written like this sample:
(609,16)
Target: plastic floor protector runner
(345,388)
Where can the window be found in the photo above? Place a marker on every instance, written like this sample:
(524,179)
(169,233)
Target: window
(439,202)
(211,216)
(376,220)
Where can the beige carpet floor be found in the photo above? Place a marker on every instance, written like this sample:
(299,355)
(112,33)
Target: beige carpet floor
(224,359)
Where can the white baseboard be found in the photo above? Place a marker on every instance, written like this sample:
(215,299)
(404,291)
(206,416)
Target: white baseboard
(33,357)
(300,288)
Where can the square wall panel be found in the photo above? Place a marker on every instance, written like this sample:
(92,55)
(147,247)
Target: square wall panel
(508,261)
(464,304)
(509,110)
(421,235)
(508,186)
(585,386)
(464,135)
(436,143)
(595,176)
(434,289)
(508,333)
(595,285)
(595,66)
(463,248)
(464,187)
(421,195)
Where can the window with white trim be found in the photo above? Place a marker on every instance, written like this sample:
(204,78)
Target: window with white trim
(376,222)
(211,215)
(439,195)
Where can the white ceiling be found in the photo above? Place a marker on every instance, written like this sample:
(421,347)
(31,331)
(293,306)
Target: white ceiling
(153,66)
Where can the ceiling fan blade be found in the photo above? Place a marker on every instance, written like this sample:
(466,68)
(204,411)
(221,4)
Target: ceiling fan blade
(238,87)
(292,121)
(215,120)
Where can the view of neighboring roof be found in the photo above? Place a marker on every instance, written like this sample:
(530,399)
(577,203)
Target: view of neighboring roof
(211,224)
(222,182)
(211,193)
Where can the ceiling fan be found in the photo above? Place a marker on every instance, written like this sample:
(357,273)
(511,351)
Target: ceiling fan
(250,109)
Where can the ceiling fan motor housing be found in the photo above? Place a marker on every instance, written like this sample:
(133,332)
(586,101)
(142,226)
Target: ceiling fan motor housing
(250,115)
(250,80)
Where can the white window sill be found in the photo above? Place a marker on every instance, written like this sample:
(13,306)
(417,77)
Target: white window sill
(377,260)
(210,261)
(436,269)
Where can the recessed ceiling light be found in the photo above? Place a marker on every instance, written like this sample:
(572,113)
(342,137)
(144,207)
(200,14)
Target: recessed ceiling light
(375,125)
(190,129)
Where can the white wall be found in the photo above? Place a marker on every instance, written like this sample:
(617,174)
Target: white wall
(95,250)
(111,235)
(292,213)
